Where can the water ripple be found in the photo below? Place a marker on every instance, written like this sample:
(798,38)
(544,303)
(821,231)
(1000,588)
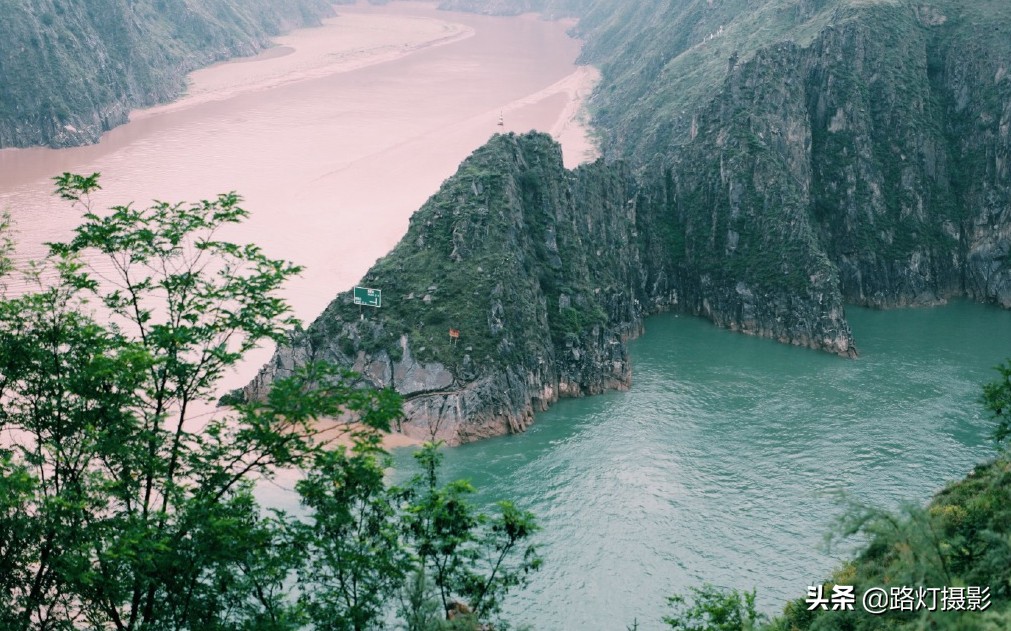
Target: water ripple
(729,459)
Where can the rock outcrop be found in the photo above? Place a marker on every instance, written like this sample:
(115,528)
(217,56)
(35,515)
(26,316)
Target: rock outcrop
(875,134)
(785,158)
(545,274)
(536,267)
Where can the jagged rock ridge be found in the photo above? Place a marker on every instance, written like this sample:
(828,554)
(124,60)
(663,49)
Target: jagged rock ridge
(882,127)
(546,273)
(843,152)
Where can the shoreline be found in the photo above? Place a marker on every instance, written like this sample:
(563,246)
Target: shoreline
(313,131)
(289,62)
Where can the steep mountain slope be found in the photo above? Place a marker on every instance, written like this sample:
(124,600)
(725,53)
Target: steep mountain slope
(545,273)
(784,157)
(71,70)
(507,253)
(888,123)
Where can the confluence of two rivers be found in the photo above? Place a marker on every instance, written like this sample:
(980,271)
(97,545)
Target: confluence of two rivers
(727,461)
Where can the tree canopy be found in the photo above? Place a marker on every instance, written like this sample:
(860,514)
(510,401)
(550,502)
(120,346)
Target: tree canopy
(121,507)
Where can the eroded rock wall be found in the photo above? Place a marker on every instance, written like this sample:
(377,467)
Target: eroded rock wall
(545,274)
(786,158)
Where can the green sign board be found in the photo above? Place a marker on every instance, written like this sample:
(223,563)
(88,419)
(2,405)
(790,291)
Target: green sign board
(368,297)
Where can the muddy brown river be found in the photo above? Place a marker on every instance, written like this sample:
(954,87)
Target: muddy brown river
(334,137)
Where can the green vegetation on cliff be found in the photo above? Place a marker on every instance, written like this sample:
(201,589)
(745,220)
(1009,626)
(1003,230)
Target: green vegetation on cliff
(497,254)
(885,125)
(70,70)
(122,506)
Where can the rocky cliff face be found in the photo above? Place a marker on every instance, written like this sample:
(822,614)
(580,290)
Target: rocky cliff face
(787,157)
(537,268)
(71,70)
(545,273)
(863,144)
(910,176)
(749,249)
(969,71)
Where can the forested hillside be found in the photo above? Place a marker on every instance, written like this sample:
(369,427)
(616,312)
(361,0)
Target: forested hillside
(884,124)
(71,70)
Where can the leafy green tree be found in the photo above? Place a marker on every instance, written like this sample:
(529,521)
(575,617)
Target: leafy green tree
(713,609)
(356,557)
(997,399)
(6,249)
(420,608)
(469,555)
(126,509)
(122,506)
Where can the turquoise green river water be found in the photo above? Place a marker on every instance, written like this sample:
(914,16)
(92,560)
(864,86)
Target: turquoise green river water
(727,459)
